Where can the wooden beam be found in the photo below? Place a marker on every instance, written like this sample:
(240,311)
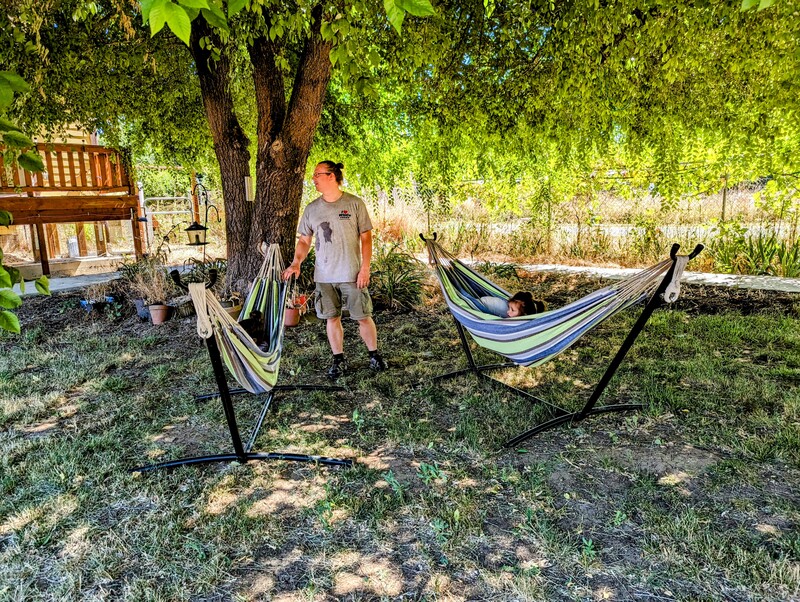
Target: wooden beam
(136,227)
(100,239)
(94,190)
(47,217)
(68,203)
(34,242)
(81,234)
(53,242)
(42,239)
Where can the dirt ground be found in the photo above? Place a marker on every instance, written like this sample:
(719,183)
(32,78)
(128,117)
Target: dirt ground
(589,496)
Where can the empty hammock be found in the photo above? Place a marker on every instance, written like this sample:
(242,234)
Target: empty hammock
(534,339)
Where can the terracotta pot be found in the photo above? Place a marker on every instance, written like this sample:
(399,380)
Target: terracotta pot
(291,316)
(159,313)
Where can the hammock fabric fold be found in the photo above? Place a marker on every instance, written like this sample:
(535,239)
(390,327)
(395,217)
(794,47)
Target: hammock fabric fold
(535,339)
(254,367)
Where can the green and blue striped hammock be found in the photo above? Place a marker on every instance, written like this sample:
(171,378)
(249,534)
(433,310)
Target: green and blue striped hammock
(254,367)
(535,339)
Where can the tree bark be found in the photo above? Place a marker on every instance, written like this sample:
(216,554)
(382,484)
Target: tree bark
(285,135)
(231,149)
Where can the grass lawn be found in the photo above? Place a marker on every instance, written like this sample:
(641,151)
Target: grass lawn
(696,498)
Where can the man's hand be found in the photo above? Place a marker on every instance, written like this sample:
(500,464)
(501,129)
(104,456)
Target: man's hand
(292,270)
(362,281)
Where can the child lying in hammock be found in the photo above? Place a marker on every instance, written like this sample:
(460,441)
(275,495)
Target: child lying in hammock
(520,304)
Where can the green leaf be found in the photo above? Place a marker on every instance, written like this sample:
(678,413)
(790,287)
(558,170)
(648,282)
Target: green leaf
(42,285)
(198,4)
(9,321)
(9,299)
(8,126)
(31,161)
(158,16)
(178,21)
(215,17)
(6,94)
(748,4)
(6,219)
(418,8)
(14,274)
(15,82)
(234,6)
(192,13)
(146,6)
(374,58)
(765,4)
(395,14)
(5,278)
(17,140)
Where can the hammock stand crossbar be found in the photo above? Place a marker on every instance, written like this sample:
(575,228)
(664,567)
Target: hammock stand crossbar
(590,408)
(242,452)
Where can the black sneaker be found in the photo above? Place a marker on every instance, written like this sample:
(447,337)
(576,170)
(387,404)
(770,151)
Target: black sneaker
(377,363)
(338,368)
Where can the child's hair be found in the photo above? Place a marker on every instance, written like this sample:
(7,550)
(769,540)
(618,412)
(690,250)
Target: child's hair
(529,304)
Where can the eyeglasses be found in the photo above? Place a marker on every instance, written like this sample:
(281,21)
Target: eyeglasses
(321,173)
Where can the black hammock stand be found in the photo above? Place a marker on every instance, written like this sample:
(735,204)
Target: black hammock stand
(241,452)
(561,415)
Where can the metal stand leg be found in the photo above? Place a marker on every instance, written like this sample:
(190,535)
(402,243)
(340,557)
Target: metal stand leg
(479,372)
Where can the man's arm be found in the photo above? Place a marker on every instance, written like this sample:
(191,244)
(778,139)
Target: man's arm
(300,253)
(366,258)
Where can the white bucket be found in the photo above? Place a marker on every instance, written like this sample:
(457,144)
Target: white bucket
(72,247)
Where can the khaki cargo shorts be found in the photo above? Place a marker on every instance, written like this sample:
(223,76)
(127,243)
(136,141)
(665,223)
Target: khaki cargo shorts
(329,297)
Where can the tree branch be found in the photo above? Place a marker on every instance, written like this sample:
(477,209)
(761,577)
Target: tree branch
(310,85)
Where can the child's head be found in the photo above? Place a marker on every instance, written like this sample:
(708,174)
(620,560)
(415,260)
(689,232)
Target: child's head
(523,304)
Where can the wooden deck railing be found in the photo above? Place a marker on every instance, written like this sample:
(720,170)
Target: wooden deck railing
(81,183)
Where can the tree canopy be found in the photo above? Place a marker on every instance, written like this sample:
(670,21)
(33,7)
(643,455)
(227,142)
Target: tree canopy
(672,94)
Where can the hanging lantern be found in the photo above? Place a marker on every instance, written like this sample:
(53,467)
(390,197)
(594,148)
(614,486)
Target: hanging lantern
(197,235)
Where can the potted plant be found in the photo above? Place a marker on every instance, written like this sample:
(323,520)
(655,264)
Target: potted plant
(150,285)
(296,306)
(232,304)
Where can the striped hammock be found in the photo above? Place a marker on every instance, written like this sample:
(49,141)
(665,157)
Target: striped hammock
(254,368)
(535,339)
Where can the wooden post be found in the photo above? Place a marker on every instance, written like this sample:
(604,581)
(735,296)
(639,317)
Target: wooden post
(100,239)
(136,227)
(53,243)
(43,249)
(81,234)
(34,243)
(724,195)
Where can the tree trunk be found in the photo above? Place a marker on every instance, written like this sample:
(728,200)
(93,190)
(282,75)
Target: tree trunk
(231,149)
(285,137)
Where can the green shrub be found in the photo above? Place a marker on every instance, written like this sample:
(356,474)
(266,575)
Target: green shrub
(397,278)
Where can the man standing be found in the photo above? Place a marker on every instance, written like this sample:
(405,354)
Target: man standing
(343,244)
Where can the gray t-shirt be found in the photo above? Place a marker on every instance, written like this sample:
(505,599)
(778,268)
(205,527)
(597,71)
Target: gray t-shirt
(337,228)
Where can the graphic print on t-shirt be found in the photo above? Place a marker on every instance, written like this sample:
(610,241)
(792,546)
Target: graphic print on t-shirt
(327,232)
